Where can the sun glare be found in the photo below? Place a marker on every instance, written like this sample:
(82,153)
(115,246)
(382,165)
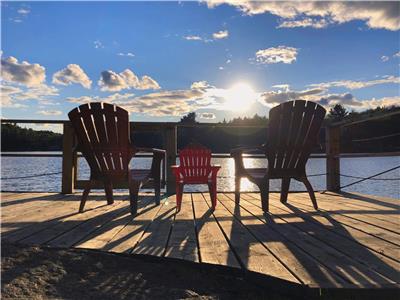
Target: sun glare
(240,96)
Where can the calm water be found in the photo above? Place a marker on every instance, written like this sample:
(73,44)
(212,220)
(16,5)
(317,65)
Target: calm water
(25,166)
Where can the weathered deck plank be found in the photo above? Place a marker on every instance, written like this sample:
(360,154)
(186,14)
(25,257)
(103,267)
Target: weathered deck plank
(251,253)
(349,242)
(183,242)
(351,260)
(214,248)
(155,238)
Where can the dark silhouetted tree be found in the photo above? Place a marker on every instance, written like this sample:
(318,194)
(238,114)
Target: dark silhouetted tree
(337,113)
(190,118)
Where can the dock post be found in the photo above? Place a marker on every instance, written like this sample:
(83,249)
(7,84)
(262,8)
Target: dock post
(170,144)
(332,158)
(69,160)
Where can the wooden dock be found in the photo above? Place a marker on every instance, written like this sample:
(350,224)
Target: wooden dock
(351,242)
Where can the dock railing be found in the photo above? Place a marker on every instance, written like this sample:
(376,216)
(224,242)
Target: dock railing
(168,131)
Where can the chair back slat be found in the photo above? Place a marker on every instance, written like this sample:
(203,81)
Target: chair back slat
(195,162)
(103,136)
(293,131)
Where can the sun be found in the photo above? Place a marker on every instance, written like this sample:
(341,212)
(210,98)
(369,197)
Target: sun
(239,97)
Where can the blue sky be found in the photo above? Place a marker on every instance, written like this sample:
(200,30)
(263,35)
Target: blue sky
(161,60)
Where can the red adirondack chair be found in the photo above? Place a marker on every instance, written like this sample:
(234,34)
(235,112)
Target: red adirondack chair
(195,168)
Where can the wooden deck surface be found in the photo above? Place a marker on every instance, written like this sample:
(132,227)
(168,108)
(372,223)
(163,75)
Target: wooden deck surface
(352,241)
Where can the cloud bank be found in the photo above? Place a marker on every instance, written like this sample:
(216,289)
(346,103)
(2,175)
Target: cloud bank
(375,14)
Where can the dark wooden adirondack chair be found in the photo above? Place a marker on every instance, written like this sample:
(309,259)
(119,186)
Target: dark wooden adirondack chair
(195,168)
(292,132)
(103,136)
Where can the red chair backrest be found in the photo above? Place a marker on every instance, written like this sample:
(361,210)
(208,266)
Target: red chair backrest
(103,137)
(195,162)
(292,132)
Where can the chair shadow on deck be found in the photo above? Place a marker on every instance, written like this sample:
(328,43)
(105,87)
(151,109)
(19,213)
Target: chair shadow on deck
(67,227)
(312,244)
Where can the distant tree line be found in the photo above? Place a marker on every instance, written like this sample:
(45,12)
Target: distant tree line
(354,138)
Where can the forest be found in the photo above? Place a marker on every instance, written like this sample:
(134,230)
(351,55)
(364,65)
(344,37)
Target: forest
(376,135)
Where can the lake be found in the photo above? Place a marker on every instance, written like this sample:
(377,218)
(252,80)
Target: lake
(363,167)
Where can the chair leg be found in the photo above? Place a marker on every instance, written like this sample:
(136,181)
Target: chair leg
(108,188)
(85,195)
(264,191)
(134,187)
(179,192)
(285,189)
(237,189)
(157,189)
(212,188)
(310,191)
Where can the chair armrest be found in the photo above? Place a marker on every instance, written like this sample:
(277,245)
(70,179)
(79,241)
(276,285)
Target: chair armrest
(176,170)
(145,149)
(240,150)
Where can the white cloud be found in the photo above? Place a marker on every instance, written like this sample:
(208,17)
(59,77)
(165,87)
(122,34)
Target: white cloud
(112,81)
(384,58)
(12,95)
(285,87)
(220,68)
(350,84)
(222,34)
(396,54)
(344,99)
(72,74)
(162,103)
(23,11)
(98,44)
(207,116)
(272,97)
(376,14)
(24,72)
(273,55)
(192,38)
(50,112)
(128,54)
(306,22)
(385,101)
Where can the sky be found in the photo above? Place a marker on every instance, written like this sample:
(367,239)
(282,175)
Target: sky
(220,59)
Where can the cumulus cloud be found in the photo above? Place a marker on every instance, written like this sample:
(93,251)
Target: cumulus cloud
(72,74)
(112,81)
(50,112)
(207,116)
(273,55)
(222,34)
(396,54)
(24,72)
(376,14)
(350,84)
(385,101)
(276,97)
(306,22)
